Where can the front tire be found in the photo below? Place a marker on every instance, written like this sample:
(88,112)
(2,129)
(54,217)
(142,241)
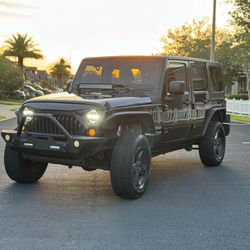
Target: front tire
(213,145)
(21,170)
(130,166)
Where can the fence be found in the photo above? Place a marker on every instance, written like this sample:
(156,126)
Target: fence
(241,107)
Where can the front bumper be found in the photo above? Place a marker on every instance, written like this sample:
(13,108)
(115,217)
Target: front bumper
(45,148)
(60,149)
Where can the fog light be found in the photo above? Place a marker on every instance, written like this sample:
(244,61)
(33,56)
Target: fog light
(92,132)
(76,144)
(7,137)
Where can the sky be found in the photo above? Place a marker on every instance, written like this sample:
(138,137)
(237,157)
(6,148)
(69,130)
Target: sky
(80,28)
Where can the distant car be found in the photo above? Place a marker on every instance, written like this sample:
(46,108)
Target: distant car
(57,90)
(17,94)
(45,91)
(32,92)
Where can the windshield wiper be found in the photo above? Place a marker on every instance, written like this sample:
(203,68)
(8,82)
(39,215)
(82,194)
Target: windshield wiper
(94,86)
(121,86)
(107,87)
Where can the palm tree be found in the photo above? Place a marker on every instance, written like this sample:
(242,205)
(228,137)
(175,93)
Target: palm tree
(21,46)
(61,70)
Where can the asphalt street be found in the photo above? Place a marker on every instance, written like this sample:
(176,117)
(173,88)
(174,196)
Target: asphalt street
(186,206)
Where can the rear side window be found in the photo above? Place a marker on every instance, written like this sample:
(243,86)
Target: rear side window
(198,74)
(216,78)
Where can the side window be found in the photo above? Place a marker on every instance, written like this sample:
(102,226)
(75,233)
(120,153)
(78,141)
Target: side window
(216,78)
(198,75)
(176,72)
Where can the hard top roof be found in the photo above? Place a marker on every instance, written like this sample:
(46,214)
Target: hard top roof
(181,58)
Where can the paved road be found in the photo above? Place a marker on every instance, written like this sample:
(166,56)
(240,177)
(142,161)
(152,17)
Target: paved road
(7,110)
(186,206)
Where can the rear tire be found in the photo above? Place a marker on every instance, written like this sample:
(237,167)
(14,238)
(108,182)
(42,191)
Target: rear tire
(130,166)
(21,170)
(213,145)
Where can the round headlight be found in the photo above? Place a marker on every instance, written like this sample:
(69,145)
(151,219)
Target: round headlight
(93,116)
(27,112)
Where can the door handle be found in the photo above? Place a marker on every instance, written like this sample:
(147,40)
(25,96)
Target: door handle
(187,102)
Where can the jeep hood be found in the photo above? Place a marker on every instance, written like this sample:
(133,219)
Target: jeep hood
(66,101)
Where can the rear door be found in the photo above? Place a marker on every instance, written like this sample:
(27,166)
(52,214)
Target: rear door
(200,96)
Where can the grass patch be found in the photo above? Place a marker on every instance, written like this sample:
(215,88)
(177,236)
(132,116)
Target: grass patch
(10,102)
(14,109)
(240,118)
(2,117)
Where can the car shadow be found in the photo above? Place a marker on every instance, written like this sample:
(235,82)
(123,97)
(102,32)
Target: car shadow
(173,173)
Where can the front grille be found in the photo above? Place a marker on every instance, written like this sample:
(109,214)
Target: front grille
(44,125)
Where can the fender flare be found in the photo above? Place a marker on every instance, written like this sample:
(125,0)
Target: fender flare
(143,117)
(221,111)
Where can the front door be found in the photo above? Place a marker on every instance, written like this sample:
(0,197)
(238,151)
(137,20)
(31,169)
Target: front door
(176,118)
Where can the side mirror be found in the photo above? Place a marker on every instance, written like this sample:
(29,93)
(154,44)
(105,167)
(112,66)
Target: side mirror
(177,87)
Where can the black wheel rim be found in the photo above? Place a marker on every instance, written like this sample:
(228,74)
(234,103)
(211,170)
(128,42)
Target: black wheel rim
(219,144)
(141,168)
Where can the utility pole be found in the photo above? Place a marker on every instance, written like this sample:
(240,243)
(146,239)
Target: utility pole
(212,49)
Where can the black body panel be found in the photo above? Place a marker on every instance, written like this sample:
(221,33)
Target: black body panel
(169,121)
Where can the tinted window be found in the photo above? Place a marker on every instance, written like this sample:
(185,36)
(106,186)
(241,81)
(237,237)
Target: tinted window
(135,73)
(176,72)
(198,73)
(138,73)
(216,78)
(92,74)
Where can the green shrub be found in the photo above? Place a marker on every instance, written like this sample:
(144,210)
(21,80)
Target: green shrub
(11,78)
(238,96)
(47,85)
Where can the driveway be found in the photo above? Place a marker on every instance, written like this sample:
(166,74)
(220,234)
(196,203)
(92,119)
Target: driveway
(186,206)
(8,111)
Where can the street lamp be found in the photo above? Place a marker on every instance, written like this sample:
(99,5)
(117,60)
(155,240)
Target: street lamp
(212,49)
(70,52)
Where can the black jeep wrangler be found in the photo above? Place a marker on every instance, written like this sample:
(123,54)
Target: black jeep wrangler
(119,112)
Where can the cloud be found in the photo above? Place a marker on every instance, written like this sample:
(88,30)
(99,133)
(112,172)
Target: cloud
(10,8)
(14,5)
(9,14)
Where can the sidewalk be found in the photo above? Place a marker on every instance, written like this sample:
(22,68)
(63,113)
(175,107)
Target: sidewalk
(5,111)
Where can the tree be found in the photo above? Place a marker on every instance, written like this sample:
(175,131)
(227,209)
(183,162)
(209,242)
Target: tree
(193,40)
(11,78)
(188,40)
(21,46)
(241,18)
(61,70)
(241,13)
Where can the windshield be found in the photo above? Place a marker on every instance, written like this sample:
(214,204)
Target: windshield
(135,73)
